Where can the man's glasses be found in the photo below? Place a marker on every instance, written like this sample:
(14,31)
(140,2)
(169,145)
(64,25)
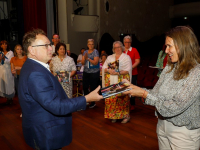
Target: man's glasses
(46,45)
(127,42)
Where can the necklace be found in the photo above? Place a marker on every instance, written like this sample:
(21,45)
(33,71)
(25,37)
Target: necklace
(61,58)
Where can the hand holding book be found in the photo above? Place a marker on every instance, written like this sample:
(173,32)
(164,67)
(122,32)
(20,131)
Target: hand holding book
(113,68)
(63,76)
(135,90)
(93,96)
(112,72)
(114,65)
(115,89)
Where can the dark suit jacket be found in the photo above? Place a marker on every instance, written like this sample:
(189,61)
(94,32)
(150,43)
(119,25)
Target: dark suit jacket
(46,109)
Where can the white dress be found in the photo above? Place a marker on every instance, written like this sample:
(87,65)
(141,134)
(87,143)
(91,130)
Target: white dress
(6,77)
(67,64)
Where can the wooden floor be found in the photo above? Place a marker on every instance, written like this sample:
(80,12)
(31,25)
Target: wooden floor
(91,131)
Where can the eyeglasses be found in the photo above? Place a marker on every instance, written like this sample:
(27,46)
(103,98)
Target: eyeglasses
(55,38)
(127,42)
(117,47)
(46,45)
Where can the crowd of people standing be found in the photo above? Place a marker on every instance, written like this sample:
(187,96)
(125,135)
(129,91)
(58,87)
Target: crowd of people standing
(175,96)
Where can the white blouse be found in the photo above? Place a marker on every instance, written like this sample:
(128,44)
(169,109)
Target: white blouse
(67,64)
(9,55)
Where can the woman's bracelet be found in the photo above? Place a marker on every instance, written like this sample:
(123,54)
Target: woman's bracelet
(143,94)
(142,98)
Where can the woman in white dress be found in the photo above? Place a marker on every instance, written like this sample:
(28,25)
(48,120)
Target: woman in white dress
(6,78)
(62,62)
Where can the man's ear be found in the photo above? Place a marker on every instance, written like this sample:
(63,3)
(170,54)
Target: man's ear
(31,50)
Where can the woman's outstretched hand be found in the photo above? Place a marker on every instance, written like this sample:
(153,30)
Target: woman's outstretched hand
(135,90)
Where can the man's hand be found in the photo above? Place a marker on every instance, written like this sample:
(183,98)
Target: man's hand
(94,96)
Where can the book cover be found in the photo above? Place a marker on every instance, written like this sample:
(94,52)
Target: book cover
(115,89)
(114,65)
(90,65)
(63,76)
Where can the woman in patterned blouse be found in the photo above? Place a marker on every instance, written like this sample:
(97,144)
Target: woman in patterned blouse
(61,62)
(176,95)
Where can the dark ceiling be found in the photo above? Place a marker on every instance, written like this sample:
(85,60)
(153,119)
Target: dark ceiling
(184,1)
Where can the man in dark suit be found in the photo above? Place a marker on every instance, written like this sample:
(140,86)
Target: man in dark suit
(46,109)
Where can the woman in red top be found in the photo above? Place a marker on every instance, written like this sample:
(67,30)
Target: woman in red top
(135,58)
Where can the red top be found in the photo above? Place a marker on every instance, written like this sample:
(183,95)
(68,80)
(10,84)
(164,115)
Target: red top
(133,55)
(165,61)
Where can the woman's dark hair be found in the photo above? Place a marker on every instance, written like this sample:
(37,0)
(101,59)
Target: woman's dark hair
(2,42)
(58,46)
(187,48)
(104,55)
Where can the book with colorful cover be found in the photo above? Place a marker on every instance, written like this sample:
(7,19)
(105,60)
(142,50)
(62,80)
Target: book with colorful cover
(115,89)
(63,76)
(114,65)
(90,65)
